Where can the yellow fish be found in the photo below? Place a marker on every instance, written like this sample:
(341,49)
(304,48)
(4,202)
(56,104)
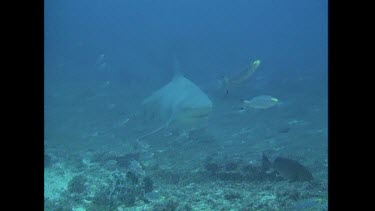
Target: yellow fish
(261,102)
(242,76)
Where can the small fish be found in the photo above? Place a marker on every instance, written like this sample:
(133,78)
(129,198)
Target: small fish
(261,102)
(288,169)
(241,77)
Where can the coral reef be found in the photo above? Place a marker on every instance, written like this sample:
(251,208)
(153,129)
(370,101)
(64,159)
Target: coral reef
(132,181)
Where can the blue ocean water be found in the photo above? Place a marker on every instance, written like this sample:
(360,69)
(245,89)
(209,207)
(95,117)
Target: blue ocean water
(103,58)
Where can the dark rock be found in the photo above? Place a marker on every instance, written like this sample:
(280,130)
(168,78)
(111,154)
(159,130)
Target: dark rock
(121,190)
(185,207)
(148,184)
(128,199)
(292,170)
(232,176)
(124,161)
(287,169)
(212,167)
(132,177)
(77,184)
(231,166)
(170,205)
(231,196)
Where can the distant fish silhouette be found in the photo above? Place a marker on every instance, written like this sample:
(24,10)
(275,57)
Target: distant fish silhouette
(288,169)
